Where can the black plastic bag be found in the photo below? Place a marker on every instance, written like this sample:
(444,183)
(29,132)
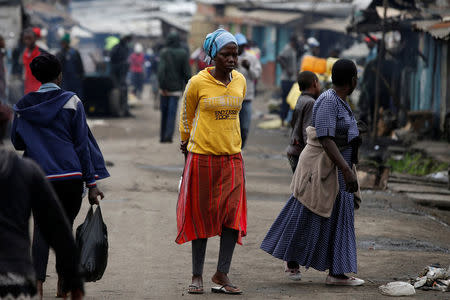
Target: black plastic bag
(92,242)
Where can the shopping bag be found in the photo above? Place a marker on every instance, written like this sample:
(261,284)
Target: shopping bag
(92,242)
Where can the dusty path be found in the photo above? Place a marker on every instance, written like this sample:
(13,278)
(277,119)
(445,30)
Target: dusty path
(395,241)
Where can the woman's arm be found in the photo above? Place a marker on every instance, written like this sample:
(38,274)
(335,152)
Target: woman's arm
(80,131)
(335,155)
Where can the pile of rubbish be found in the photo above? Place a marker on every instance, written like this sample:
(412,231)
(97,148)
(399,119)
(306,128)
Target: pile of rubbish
(432,278)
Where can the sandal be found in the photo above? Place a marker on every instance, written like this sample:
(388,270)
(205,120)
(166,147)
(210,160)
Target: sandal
(194,289)
(223,290)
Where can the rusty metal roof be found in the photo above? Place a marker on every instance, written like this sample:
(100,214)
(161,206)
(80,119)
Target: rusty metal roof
(436,28)
(263,16)
(331,24)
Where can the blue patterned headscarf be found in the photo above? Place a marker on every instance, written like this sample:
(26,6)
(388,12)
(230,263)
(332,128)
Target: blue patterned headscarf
(215,41)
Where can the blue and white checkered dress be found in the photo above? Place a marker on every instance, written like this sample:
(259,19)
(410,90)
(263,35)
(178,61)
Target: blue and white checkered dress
(302,236)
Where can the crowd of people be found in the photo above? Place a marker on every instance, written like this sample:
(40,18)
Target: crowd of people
(314,229)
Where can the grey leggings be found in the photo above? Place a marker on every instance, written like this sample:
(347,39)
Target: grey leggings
(228,240)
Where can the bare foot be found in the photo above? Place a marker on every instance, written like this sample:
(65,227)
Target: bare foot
(223,280)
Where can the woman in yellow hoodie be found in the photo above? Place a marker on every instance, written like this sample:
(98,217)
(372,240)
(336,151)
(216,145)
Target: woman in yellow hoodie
(212,199)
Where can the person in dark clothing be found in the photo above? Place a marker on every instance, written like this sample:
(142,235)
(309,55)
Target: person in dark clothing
(72,67)
(50,125)
(173,73)
(119,69)
(310,87)
(25,190)
(289,69)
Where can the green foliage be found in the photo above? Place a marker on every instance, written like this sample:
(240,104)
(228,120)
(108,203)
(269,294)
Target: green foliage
(416,164)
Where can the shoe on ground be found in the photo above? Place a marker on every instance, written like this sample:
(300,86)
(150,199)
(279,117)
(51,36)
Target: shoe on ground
(292,273)
(350,281)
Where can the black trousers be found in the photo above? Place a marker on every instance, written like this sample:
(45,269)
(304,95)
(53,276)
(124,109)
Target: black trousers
(70,194)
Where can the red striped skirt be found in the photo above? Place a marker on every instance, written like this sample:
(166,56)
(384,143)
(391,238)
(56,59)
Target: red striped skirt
(212,196)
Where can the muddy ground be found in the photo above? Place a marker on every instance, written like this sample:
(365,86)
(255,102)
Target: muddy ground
(396,238)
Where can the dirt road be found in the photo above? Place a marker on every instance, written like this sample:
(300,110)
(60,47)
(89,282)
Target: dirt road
(396,239)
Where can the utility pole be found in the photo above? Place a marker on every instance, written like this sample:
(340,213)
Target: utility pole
(380,58)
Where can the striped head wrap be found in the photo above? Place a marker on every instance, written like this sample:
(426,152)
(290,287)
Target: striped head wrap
(215,41)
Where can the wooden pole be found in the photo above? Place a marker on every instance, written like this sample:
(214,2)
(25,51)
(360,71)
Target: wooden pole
(380,57)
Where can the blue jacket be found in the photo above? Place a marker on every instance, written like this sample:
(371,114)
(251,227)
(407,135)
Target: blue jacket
(50,126)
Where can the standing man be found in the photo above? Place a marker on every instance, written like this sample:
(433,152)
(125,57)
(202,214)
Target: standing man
(250,67)
(31,84)
(310,87)
(137,60)
(2,70)
(173,73)
(72,67)
(289,68)
(119,69)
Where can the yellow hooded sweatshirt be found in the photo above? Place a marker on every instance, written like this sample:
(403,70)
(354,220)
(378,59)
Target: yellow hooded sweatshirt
(209,116)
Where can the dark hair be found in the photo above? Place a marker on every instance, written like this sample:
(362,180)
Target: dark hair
(29,30)
(343,72)
(306,79)
(46,67)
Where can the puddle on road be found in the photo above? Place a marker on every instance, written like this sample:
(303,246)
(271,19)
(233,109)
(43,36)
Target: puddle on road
(399,245)
(172,168)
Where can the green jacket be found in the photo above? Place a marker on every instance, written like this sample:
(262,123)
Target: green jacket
(173,69)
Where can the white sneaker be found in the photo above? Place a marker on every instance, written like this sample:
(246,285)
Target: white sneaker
(351,281)
(292,274)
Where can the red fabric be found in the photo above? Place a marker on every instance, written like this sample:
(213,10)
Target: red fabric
(137,63)
(31,83)
(212,196)
(37,32)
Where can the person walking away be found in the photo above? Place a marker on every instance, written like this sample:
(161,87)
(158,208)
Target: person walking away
(316,226)
(250,67)
(212,199)
(31,84)
(310,89)
(72,67)
(137,60)
(289,68)
(24,191)
(119,69)
(50,126)
(3,97)
(173,73)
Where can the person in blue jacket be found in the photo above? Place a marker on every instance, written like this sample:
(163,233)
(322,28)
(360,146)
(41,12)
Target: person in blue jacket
(50,126)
